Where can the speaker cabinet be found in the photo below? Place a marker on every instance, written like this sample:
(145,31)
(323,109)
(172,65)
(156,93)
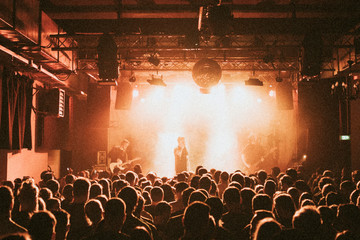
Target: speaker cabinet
(312,54)
(123,96)
(284,96)
(98,106)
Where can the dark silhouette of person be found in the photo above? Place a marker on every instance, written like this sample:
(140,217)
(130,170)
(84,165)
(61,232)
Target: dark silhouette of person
(110,227)
(7,225)
(79,223)
(196,221)
(130,197)
(42,226)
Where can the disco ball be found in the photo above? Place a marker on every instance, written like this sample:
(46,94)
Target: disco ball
(206,73)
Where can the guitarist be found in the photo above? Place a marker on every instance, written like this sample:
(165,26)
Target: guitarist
(253,154)
(118,153)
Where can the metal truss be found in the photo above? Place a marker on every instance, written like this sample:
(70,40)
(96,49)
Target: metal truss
(346,56)
(266,52)
(172,42)
(170,65)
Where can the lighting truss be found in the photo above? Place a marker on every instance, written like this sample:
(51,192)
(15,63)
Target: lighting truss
(243,53)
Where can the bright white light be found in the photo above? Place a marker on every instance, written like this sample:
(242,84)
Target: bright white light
(214,125)
(272,93)
(135,93)
(164,157)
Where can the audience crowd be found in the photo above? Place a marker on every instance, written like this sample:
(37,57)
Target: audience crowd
(205,204)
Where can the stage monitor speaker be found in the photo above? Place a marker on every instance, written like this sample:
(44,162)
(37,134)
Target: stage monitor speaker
(51,102)
(312,54)
(123,96)
(98,105)
(284,96)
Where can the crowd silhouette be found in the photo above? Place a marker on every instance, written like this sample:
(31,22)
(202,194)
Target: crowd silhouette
(205,204)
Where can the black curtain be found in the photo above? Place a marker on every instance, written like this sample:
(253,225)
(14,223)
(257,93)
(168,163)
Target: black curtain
(16,105)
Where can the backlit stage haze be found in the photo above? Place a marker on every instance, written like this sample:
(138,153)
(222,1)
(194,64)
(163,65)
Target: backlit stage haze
(216,126)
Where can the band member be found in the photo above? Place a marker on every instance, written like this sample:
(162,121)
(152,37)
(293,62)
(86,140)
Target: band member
(119,152)
(253,154)
(181,156)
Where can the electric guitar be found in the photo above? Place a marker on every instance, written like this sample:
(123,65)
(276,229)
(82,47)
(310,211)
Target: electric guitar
(252,167)
(121,165)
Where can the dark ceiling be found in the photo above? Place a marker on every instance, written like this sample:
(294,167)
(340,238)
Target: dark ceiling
(262,35)
(180,16)
(258,35)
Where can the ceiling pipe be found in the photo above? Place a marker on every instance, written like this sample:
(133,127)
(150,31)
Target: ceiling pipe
(39,68)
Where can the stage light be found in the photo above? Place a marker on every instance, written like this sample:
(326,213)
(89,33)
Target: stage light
(153,59)
(107,58)
(272,93)
(156,80)
(135,93)
(132,77)
(254,82)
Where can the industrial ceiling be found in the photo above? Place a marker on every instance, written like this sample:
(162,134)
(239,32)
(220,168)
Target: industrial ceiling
(261,36)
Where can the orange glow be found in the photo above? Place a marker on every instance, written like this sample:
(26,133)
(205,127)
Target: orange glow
(215,125)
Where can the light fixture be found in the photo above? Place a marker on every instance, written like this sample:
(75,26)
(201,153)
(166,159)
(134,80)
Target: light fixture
(153,59)
(107,58)
(132,77)
(156,80)
(254,82)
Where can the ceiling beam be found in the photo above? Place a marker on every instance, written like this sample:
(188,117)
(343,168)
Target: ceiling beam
(108,15)
(150,5)
(173,26)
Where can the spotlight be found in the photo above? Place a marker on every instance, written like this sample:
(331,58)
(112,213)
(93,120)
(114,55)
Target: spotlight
(107,58)
(153,59)
(156,80)
(254,82)
(132,77)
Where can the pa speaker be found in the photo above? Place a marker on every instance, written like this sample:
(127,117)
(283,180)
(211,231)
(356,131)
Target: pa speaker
(312,54)
(123,96)
(284,96)
(98,105)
